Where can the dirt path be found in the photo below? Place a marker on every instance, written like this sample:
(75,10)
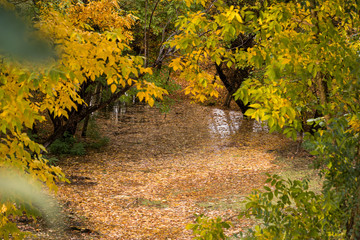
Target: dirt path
(159,170)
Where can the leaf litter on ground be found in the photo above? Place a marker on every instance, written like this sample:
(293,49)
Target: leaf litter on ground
(159,170)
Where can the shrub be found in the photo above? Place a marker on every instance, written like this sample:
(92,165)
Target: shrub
(52,161)
(288,210)
(67,145)
(97,141)
(103,141)
(208,228)
(285,210)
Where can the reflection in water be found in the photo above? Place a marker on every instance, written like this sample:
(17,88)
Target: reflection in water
(221,123)
(119,109)
(257,127)
(225,123)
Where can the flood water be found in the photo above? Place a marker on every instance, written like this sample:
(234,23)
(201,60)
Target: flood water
(224,123)
(186,126)
(221,123)
(177,160)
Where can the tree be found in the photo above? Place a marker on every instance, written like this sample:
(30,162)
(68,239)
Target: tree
(92,50)
(21,77)
(154,25)
(207,36)
(94,42)
(306,61)
(231,76)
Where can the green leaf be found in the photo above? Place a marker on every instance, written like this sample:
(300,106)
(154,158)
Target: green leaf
(229,64)
(267,188)
(250,112)
(271,122)
(255,105)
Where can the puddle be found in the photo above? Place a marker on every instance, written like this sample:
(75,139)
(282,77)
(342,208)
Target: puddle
(259,127)
(221,123)
(224,123)
(118,112)
(146,132)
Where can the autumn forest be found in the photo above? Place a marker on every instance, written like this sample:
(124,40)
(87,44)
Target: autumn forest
(180,119)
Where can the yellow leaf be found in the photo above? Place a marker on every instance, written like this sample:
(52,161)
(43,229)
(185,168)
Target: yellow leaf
(110,80)
(3,208)
(113,88)
(140,95)
(238,17)
(151,102)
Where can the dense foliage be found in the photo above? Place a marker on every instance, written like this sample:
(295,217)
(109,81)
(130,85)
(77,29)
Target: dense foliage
(90,47)
(302,68)
(20,84)
(305,71)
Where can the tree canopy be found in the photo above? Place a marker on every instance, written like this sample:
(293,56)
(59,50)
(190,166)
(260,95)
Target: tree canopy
(305,71)
(302,68)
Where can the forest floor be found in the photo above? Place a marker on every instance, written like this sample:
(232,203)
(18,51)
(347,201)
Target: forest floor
(159,170)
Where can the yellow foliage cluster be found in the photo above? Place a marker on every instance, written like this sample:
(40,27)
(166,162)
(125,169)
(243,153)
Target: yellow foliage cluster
(288,86)
(89,54)
(100,16)
(149,92)
(90,41)
(85,55)
(19,110)
(354,123)
(202,85)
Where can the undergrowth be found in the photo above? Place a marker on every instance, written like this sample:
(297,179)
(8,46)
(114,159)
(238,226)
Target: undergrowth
(68,144)
(71,145)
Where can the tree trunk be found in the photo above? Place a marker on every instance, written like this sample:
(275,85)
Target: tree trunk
(85,126)
(95,101)
(232,87)
(232,77)
(322,94)
(227,100)
(62,124)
